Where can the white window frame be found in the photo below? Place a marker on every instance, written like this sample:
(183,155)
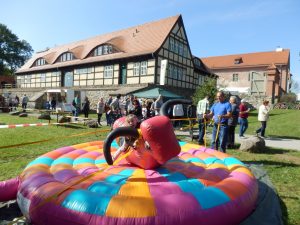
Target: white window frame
(43,77)
(136,68)
(28,79)
(98,51)
(108,71)
(40,62)
(143,68)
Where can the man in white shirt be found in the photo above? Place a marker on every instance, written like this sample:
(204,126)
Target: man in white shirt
(177,115)
(202,108)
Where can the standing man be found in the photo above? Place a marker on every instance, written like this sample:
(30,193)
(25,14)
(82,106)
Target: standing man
(243,118)
(25,100)
(232,122)
(220,112)
(178,113)
(76,104)
(202,109)
(129,104)
(115,109)
(157,104)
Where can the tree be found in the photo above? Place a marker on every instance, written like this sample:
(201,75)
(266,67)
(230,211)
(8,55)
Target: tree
(208,88)
(294,86)
(13,52)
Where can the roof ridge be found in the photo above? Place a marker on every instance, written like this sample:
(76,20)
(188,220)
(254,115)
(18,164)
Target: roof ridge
(108,33)
(249,53)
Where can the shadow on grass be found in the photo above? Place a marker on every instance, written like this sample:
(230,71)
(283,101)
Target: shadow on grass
(73,126)
(266,150)
(271,163)
(276,137)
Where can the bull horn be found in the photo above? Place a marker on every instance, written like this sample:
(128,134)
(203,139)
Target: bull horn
(164,108)
(118,132)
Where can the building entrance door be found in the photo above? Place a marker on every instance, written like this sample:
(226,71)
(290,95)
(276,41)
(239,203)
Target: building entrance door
(123,74)
(68,79)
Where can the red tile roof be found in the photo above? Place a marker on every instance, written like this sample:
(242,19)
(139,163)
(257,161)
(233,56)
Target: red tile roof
(248,60)
(138,40)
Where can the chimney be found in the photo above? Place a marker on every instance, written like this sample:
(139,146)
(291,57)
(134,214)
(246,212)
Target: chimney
(279,49)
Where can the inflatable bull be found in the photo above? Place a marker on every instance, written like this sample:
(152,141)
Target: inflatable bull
(156,140)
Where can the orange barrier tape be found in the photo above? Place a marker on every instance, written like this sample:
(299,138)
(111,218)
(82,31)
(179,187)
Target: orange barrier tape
(24,125)
(46,140)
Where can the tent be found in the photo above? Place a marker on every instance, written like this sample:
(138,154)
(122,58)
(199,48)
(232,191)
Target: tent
(155,92)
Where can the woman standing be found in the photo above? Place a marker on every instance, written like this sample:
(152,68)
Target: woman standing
(263,116)
(100,110)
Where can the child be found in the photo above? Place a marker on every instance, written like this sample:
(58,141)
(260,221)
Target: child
(130,121)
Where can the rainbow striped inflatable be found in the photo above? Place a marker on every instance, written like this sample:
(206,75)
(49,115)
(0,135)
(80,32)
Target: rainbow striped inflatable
(74,185)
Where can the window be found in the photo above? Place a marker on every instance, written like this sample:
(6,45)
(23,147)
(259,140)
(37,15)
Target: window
(235,77)
(136,69)
(180,48)
(68,56)
(43,77)
(28,79)
(144,68)
(140,68)
(172,44)
(179,73)
(197,62)
(176,47)
(108,71)
(103,50)
(238,60)
(185,51)
(98,51)
(170,67)
(176,72)
(40,62)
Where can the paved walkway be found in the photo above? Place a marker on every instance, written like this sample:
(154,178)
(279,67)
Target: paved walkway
(283,143)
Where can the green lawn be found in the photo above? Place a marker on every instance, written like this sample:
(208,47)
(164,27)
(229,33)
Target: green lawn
(282,123)
(283,166)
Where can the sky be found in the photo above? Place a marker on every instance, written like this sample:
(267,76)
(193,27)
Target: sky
(214,27)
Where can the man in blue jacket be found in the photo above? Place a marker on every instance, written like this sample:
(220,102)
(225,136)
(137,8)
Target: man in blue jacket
(220,112)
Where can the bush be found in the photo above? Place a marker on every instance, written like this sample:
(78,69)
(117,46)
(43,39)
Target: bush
(288,98)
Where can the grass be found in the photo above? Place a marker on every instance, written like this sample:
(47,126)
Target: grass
(282,166)
(281,123)
(13,160)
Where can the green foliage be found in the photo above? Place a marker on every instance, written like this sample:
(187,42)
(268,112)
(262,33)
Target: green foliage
(289,98)
(13,51)
(208,88)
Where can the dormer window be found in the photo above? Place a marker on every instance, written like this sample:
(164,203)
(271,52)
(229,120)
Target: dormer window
(40,62)
(68,56)
(197,62)
(103,50)
(238,60)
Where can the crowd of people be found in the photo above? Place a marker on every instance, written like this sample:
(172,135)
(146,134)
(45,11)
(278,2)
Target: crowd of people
(225,116)
(114,108)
